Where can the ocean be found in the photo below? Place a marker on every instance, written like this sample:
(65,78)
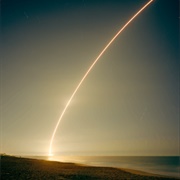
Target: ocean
(161,165)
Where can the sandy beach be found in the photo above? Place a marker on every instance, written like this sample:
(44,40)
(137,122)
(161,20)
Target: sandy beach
(23,168)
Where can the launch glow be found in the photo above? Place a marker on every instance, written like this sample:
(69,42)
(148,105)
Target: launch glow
(88,71)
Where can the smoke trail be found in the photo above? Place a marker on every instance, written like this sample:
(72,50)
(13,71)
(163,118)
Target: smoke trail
(101,53)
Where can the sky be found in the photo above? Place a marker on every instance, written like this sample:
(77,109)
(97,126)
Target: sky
(129,103)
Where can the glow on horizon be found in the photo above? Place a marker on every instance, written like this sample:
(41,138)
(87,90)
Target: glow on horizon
(87,72)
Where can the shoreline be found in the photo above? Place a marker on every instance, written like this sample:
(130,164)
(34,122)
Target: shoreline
(13,167)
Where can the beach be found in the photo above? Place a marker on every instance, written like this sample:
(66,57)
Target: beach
(25,168)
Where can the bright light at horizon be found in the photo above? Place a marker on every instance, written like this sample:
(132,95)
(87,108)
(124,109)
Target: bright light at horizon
(50,155)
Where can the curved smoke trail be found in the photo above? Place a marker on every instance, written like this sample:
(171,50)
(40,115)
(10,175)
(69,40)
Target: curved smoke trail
(102,52)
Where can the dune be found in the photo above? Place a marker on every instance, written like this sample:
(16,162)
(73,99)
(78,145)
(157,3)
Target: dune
(25,168)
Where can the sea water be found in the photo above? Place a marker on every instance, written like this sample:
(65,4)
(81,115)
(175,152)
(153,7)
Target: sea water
(161,165)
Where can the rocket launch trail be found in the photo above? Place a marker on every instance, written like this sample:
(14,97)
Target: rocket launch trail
(88,71)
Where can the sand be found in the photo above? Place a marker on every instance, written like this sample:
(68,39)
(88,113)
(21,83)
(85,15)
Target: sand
(22,168)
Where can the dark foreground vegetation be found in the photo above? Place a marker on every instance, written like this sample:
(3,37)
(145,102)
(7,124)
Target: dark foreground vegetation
(22,168)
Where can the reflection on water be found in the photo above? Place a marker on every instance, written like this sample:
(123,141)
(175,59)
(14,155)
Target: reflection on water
(169,165)
(50,158)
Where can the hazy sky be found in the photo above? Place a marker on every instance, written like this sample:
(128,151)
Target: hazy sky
(129,103)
